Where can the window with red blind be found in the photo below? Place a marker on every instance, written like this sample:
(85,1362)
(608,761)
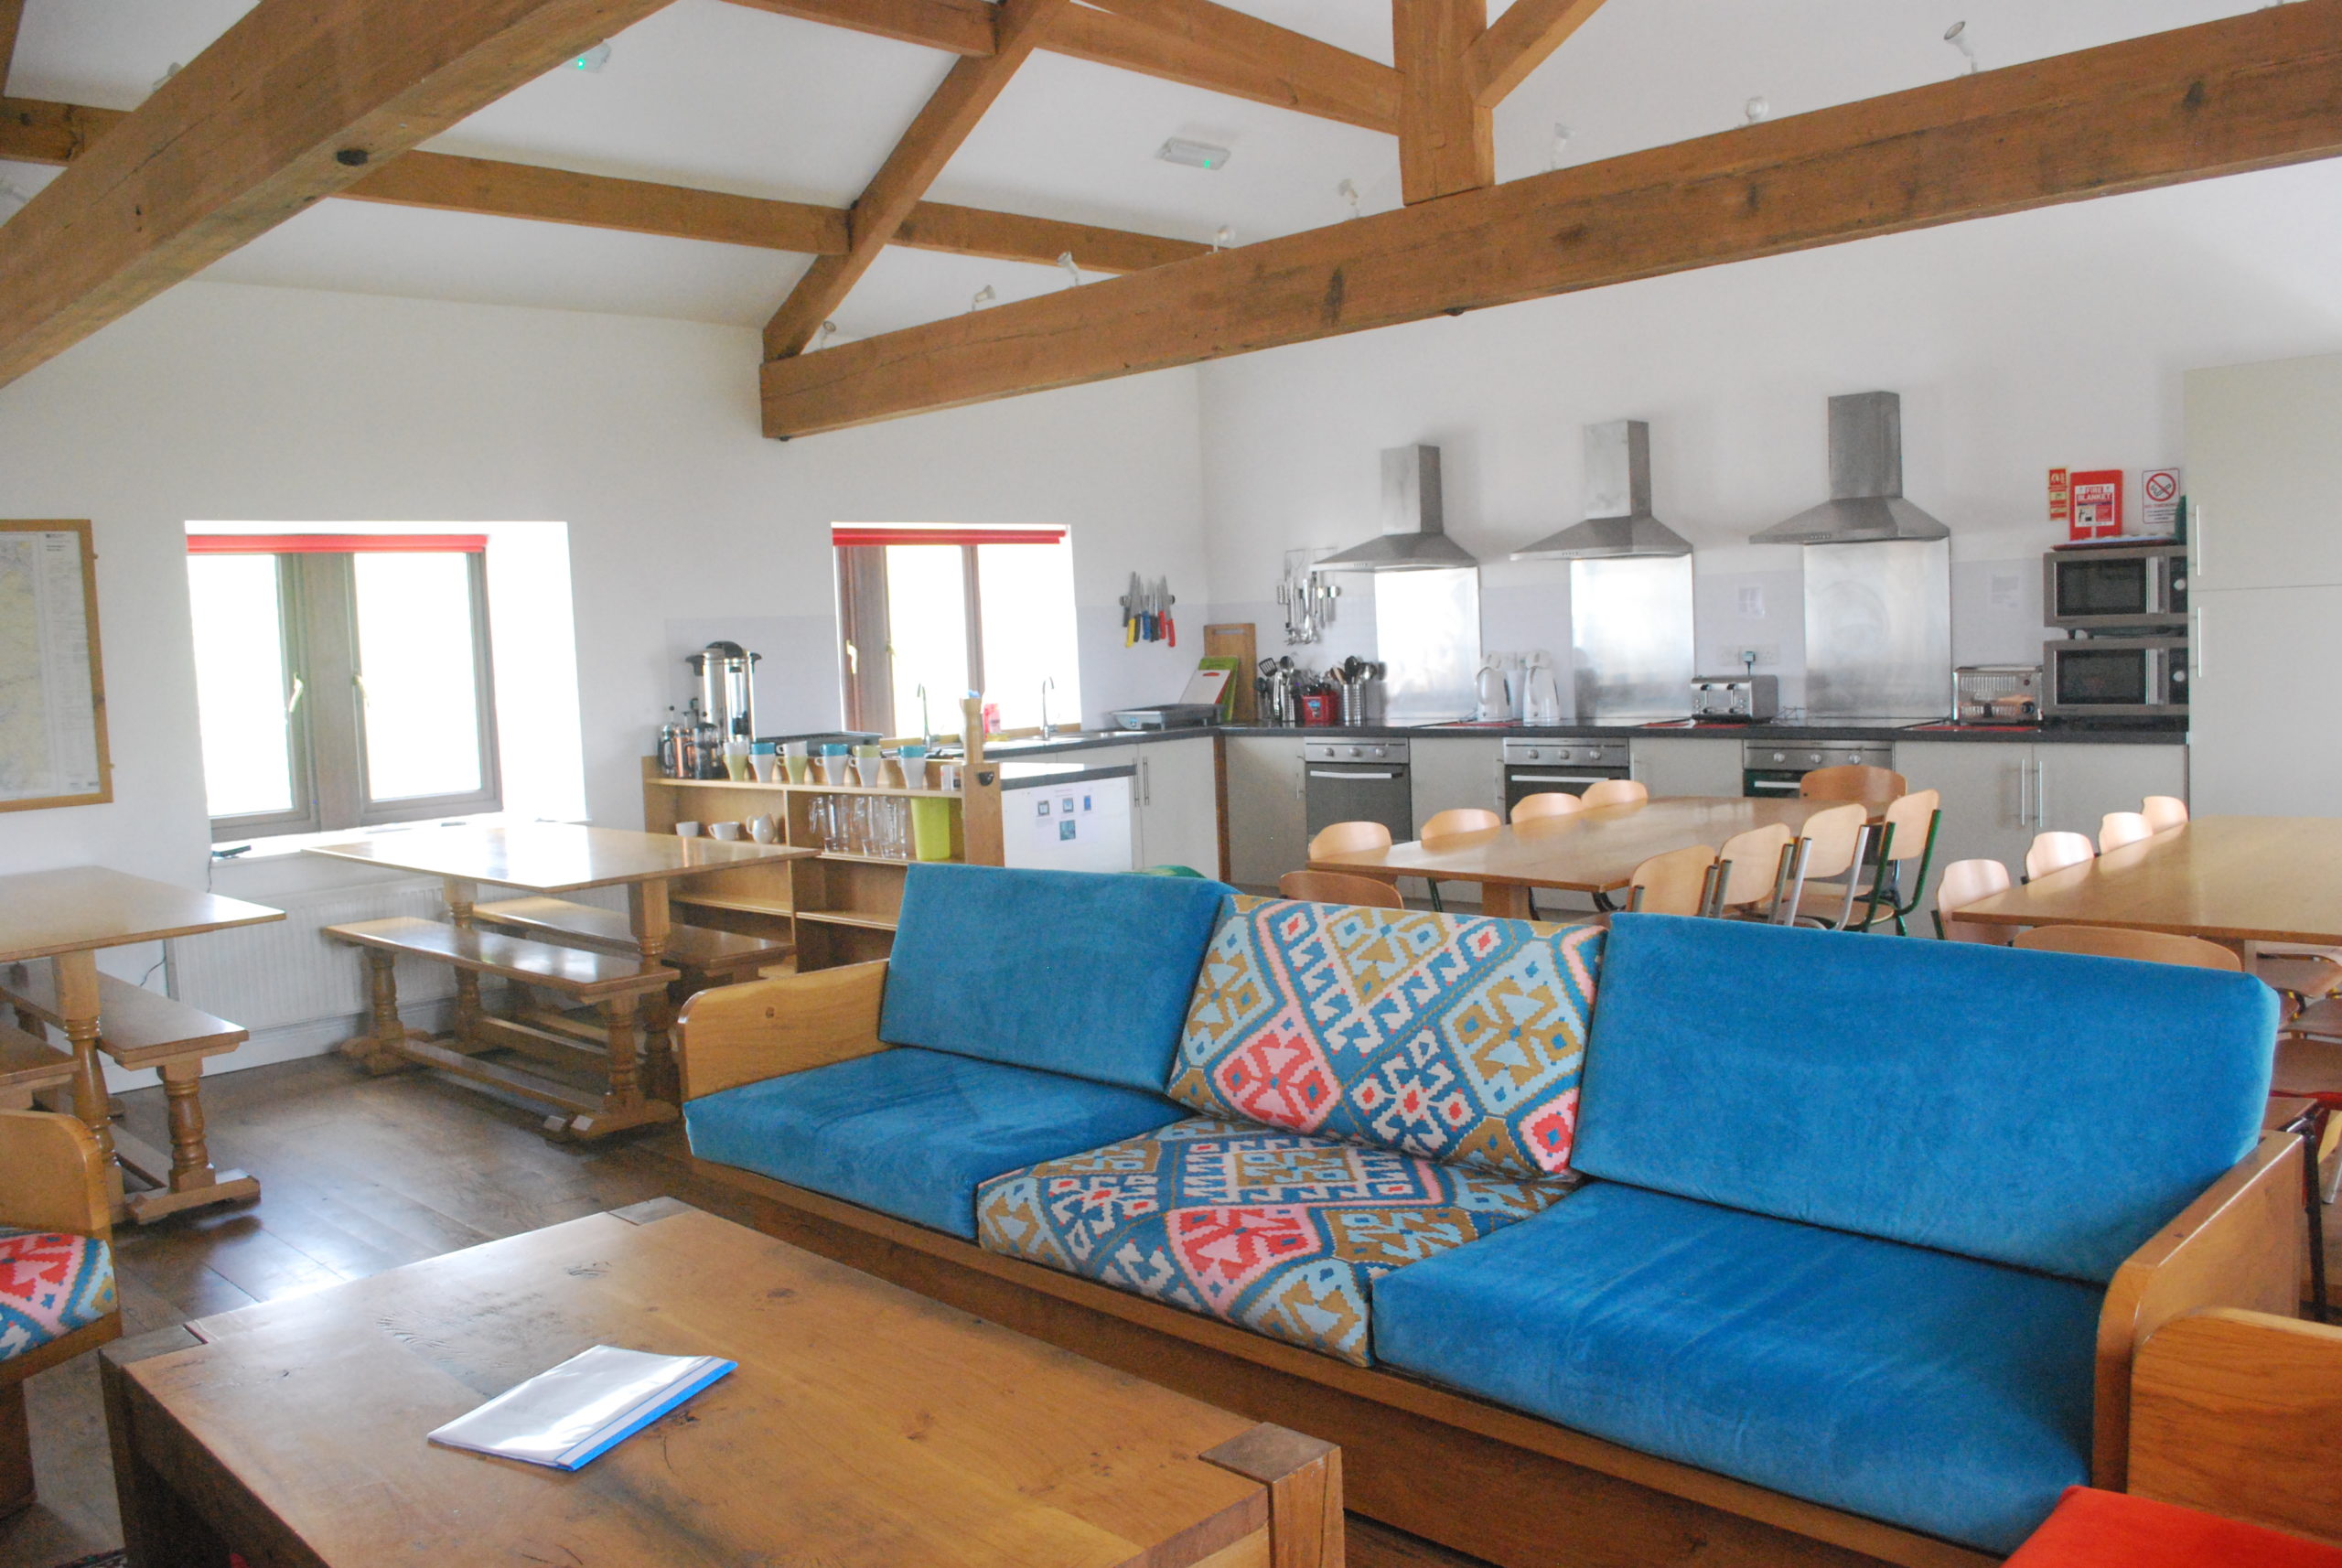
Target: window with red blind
(342,680)
(930,612)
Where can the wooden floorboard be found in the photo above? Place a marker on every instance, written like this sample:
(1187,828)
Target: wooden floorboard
(360,1175)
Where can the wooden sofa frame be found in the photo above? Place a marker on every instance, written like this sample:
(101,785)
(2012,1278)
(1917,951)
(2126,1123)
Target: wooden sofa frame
(1477,1476)
(52,1178)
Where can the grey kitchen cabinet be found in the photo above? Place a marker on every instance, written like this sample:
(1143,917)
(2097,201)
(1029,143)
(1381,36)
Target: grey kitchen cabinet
(1675,766)
(1452,771)
(2264,658)
(2265,476)
(1267,835)
(1174,805)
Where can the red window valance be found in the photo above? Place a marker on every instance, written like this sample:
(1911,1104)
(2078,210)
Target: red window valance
(848,533)
(331,543)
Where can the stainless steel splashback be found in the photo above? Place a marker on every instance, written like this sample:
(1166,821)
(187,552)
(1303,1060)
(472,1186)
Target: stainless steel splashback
(1878,631)
(1631,620)
(1427,636)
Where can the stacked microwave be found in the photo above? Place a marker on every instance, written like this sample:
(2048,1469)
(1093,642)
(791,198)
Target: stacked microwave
(2123,609)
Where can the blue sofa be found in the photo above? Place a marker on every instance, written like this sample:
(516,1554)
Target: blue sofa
(1846,1235)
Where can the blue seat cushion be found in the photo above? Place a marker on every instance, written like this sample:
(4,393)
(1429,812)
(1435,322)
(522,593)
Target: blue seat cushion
(1936,1392)
(2038,1108)
(1071,971)
(911,1133)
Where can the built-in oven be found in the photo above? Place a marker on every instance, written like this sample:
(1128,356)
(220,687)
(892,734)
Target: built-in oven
(1564,766)
(2129,588)
(1358,781)
(1773,768)
(2114,677)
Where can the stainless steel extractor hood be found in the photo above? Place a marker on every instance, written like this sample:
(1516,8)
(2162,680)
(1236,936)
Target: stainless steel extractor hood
(1618,522)
(1414,537)
(1865,504)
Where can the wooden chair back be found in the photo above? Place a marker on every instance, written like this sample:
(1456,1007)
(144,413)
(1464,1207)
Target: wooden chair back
(2165,812)
(1908,818)
(1340,888)
(1853,781)
(1461,820)
(1551,803)
(2055,852)
(1967,882)
(1344,838)
(1833,839)
(1751,867)
(2119,828)
(1675,883)
(1616,793)
(2150,946)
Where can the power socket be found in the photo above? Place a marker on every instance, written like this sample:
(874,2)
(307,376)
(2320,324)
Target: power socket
(1739,658)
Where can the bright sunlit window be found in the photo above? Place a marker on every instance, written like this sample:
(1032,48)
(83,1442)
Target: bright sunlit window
(342,680)
(927,613)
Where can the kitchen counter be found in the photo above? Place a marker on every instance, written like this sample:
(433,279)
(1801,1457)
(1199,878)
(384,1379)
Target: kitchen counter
(1040,775)
(2143,732)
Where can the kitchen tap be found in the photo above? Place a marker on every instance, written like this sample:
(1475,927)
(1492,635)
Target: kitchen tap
(1048,684)
(926,728)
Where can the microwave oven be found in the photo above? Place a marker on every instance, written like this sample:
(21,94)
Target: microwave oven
(2132,587)
(2111,677)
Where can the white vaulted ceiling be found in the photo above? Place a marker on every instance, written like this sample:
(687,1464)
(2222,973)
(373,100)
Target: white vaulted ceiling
(728,98)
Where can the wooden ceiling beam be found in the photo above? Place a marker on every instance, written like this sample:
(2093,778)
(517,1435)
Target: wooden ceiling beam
(1447,138)
(35,131)
(1200,44)
(12,17)
(971,86)
(295,102)
(1518,42)
(2255,90)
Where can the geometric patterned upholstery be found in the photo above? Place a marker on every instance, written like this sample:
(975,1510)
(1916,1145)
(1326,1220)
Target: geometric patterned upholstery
(1459,1039)
(1274,1231)
(50,1285)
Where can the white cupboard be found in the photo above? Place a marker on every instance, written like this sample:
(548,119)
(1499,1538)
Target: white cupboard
(1453,772)
(1267,832)
(1686,765)
(1174,805)
(1997,796)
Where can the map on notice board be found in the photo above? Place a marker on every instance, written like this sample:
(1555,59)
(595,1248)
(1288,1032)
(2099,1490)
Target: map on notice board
(52,695)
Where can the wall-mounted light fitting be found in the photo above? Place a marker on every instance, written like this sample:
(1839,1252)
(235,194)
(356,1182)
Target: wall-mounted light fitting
(1222,237)
(1560,153)
(1073,273)
(980,298)
(822,338)
(1348,191)
(1195,155)
(1758,110)
(1957,36)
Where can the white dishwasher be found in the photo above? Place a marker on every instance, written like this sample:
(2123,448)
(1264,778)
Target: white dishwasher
(1066,817)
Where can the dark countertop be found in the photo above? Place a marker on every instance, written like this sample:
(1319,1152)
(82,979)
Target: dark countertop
(2143,732)
(1017,775)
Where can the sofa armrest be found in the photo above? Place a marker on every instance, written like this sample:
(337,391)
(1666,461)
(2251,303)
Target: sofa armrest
(2240,1245)
(2239,1413)
(52,1177)
(732,1035)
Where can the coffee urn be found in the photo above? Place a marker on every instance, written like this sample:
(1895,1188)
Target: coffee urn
(728,688)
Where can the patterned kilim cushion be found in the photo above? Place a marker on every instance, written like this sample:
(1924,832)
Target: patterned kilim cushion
(1451,1036)
(50,1284)
(1275,1232)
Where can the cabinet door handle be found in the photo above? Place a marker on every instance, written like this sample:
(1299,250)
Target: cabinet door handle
(2040,793)
(2024,792)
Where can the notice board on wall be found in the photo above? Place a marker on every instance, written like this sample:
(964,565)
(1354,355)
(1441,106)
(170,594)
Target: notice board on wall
(53,747)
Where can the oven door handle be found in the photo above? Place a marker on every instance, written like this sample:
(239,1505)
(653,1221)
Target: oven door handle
(1562,777)
(1316,773)
(1774,786)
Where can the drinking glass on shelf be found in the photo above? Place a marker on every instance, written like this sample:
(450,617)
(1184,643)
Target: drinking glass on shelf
(833,821)
(858,830)
(896,837)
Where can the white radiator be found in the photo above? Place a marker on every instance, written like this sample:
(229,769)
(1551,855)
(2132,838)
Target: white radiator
(288,973)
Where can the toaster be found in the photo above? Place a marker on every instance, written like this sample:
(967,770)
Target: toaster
(1743,698)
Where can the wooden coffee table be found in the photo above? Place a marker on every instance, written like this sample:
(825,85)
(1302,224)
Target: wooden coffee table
(867,1427)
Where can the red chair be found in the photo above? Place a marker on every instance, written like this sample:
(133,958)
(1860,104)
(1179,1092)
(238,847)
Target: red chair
(2090,1528)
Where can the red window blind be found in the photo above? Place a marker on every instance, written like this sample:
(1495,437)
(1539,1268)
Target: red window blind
(331,543)
(847,533)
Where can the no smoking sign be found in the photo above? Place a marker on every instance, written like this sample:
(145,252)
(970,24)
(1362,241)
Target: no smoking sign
(2159,489)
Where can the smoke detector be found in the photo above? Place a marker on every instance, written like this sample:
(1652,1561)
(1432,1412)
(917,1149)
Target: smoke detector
(1195,155)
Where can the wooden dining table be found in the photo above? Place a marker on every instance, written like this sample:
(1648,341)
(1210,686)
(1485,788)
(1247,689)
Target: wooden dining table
(69,916)
(2236,880)
(1594,851)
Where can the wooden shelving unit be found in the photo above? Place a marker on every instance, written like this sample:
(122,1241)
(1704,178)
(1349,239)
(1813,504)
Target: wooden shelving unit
(837,908)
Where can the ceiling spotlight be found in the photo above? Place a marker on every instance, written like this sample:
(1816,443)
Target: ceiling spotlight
(1065,260)
(822,338)
(1560,153)
(594,58)
(1195,155)
(174,70)
(1222,237)
(1348,191)
(1759,111)
(981,298)
(1957,36)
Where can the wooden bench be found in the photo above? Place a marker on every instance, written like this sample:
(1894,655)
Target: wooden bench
(142,1029)
(613,984)
(29,1066)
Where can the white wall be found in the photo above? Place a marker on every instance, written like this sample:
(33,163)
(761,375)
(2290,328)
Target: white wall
(2018,344)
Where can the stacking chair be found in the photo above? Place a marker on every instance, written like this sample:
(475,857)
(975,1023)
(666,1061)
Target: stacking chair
(1908,835)
(1616,793)
(1675,883)
(2148,947)
(1967,882)
(1752,875)
(1853,781)
(1552,803)
(1342,838)
(57,1265)
(2120,828)
(2165,812)
(1835,847)
(1340,888)
(2055,852)
(1457,819)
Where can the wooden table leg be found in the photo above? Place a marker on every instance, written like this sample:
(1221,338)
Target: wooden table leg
(77,998)
(624,1104)
(1505,900)
(158,1527)
(378,1050)
(1304,1476)
(646,911)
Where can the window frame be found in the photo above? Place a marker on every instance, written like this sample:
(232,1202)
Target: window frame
(866,632)
(318,625)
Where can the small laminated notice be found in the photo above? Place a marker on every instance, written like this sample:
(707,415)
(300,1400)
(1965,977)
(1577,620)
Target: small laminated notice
(577,1411)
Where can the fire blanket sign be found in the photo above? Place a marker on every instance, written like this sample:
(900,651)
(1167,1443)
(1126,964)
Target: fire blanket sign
(2097,505)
